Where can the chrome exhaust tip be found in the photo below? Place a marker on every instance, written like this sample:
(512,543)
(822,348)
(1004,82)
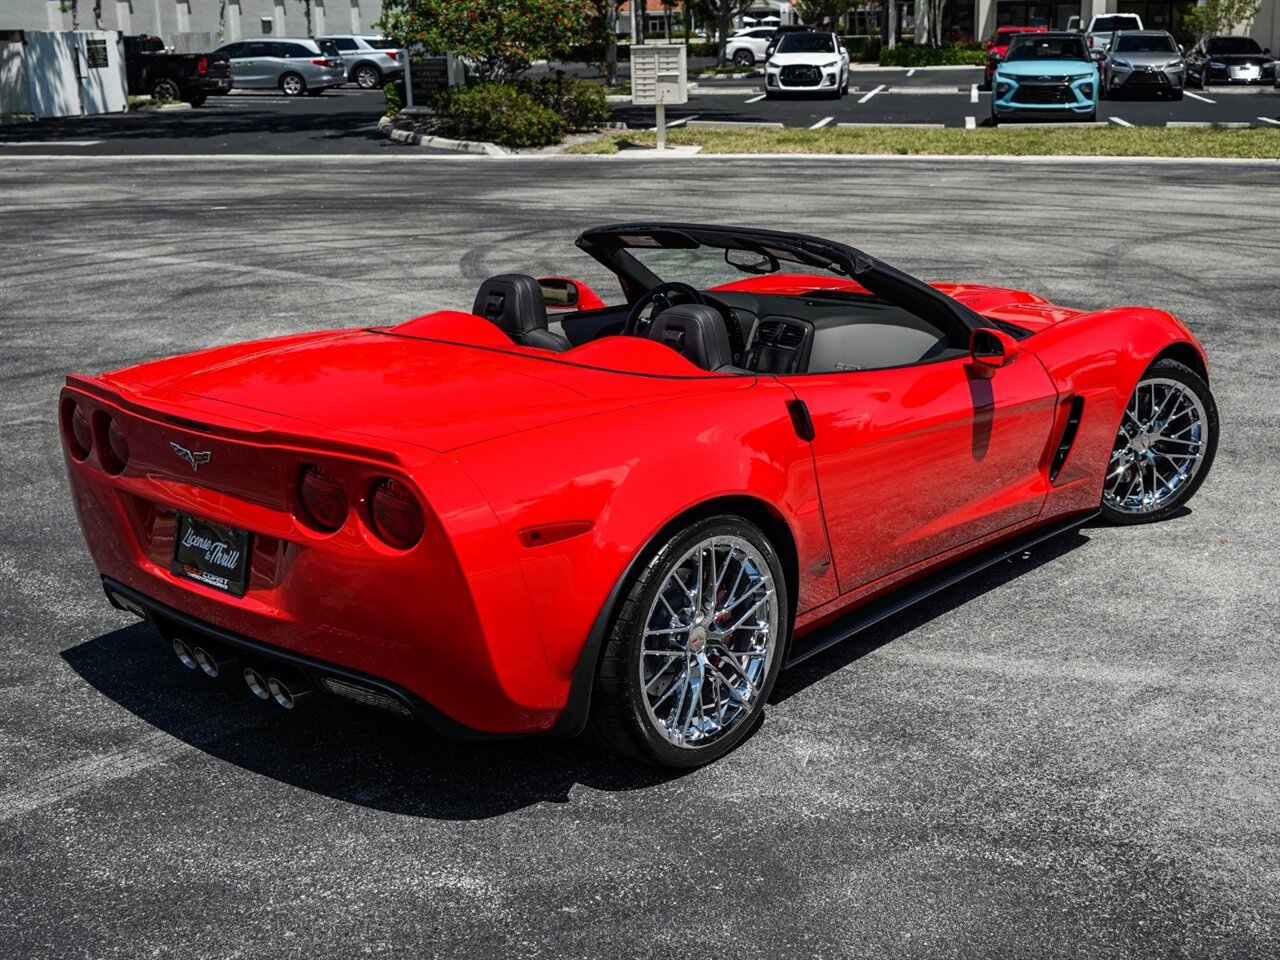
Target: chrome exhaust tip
(256,683)
(213,659)
(185,655)
(287,688)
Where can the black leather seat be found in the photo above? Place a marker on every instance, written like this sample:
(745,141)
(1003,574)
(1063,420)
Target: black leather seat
(514,302)
(696,331)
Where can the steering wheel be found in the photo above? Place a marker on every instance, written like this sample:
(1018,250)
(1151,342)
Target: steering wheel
(660,297)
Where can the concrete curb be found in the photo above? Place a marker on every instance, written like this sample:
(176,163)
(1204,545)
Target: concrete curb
(732,124)
(17,121)
(412,139)
(159,107)
(900,126)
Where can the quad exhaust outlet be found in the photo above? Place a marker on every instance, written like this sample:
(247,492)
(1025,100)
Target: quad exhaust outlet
(284,685)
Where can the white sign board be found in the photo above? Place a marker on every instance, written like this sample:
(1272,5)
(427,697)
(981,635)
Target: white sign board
(659,74)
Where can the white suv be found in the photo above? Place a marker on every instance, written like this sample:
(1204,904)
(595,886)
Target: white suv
(1101,27)
(747,46)
(371,60)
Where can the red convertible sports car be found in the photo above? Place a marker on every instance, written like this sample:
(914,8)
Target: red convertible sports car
(625,517)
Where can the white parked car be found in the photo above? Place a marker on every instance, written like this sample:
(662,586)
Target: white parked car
(746,47)
(371,60)
(1097,36)
(808,62)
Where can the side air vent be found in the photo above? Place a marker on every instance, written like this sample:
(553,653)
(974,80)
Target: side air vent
(1068,438)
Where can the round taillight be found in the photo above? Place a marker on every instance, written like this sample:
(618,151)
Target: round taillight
(395,514)
(117,448)
(79,432)
(324,504)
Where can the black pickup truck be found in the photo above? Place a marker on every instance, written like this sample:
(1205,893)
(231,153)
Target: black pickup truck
(174,76)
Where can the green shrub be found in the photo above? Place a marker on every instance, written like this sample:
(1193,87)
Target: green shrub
(862,49)
(580,103)
(912,56)
(394,94)
(503,114)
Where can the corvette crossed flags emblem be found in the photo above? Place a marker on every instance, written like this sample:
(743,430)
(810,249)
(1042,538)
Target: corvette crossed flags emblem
(195,458)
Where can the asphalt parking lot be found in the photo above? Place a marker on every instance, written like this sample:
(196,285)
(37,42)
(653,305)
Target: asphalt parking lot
(340,121)
(1072,755)
(948,97)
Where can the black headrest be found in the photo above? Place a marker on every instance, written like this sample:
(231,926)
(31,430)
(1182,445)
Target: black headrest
(512,301)
(697,331)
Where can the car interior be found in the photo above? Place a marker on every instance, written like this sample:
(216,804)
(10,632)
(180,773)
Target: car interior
(821,331)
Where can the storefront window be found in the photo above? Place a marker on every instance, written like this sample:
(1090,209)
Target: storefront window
(1053,15)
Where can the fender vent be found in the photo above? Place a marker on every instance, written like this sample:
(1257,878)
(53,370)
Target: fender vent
(1068,438)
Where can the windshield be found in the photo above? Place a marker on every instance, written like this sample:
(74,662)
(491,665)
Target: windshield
(1031,46)
(708,266)
(1111,24)
(805,43)
(1230,45)
(1142,43)
(1005,37)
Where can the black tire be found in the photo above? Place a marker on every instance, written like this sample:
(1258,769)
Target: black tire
(1176,95)
(1092,117)
(315,91)
(367,76)
(620,714)
(744,58)
(292,85)
(1177,372)
(198,99)
(166,89)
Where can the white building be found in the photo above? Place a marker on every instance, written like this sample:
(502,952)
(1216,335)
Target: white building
(210,21)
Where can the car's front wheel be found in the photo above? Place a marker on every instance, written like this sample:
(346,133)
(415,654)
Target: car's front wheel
(1164,447)
(695,647)
(744,58)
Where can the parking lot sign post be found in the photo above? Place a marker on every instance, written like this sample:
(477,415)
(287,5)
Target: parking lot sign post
(659,76)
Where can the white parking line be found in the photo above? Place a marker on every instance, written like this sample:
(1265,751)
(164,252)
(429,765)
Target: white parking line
(756,99)
(1196,96)
(1269,120)
(682,121)
(911,72)
(48,143)
(821,123)
(973,93)
(1120,121)
(971,123)
(868,96)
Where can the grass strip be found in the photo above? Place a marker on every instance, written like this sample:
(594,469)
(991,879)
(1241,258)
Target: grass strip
(1004,141)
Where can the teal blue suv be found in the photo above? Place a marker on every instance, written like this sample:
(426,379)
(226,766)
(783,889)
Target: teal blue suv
(1046,76)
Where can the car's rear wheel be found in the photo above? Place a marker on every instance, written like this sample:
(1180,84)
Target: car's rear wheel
(693,652)
(744,58)
(292,85)
(1164,448)
(367,76)
(315,91)
(198,99)
(165,89)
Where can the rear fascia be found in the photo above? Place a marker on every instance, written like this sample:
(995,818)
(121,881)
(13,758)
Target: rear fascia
(444,619)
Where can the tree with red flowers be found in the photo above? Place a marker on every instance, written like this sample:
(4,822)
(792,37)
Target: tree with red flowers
(500,38)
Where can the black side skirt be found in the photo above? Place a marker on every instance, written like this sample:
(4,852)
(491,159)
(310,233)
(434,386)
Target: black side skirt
(886,606)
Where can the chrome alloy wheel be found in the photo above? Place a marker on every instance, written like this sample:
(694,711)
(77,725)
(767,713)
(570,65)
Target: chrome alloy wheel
(709,641)
(1162,441)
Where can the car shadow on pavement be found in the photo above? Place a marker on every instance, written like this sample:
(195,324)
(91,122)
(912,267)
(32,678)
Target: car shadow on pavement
(345,752)
(809,672)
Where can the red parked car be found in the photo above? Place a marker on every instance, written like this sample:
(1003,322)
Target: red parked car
(998,46)
(633,515)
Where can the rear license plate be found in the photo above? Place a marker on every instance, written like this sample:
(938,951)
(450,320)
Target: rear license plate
(211,554)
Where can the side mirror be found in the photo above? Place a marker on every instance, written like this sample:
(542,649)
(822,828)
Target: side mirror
(1098,55)
(992,349)
(559,292)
